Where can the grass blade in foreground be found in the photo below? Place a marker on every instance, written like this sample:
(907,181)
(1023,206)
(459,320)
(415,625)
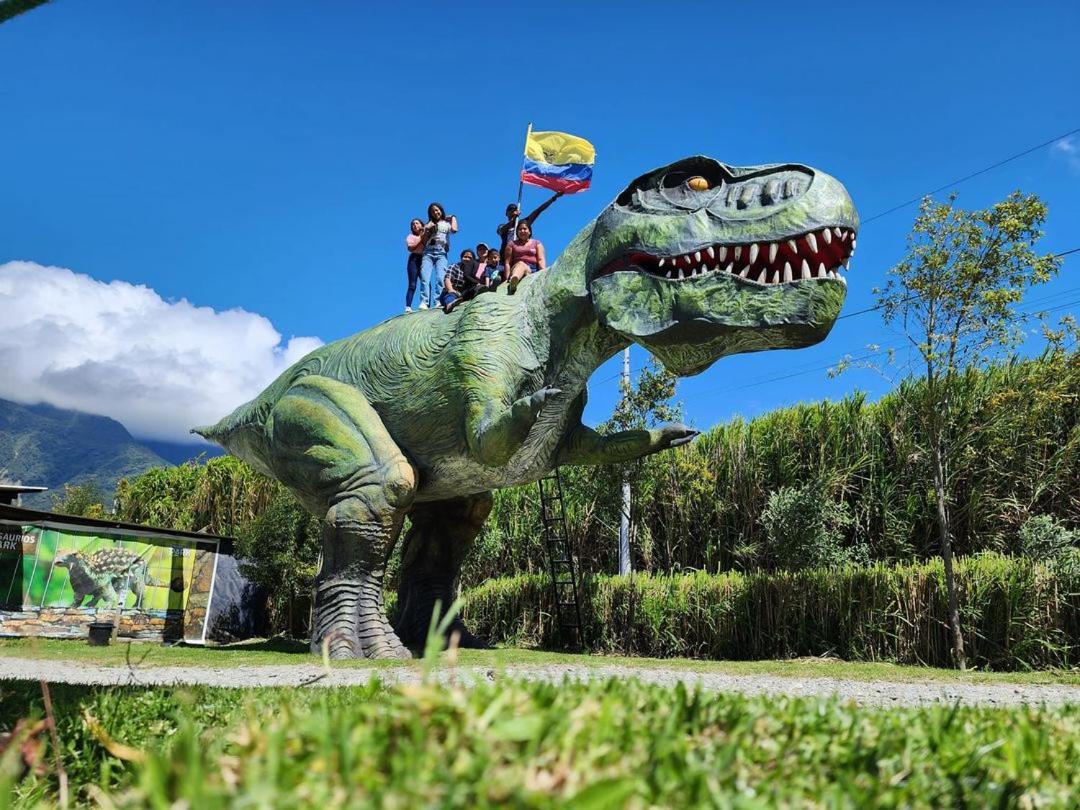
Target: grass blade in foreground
(535,745)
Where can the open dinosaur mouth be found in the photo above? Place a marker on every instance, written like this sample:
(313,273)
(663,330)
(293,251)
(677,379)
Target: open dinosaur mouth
(818,254)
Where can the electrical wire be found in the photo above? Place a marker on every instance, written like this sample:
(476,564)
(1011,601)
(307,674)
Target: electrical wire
(967,177)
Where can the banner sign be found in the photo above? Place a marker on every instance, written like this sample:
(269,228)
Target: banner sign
(150,584)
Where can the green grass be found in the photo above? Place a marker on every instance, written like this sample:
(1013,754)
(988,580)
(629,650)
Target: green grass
(281,651)
(597,745)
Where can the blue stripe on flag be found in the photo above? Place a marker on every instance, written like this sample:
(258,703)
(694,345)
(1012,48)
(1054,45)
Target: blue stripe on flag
(565,171)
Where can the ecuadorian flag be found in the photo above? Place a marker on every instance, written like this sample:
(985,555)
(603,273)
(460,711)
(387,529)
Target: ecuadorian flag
(558,161)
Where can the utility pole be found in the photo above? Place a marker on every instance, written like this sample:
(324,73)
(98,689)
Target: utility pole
(625,566)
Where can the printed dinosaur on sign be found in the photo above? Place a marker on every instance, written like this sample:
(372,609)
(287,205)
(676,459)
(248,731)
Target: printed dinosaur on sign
(425,414)
(107,576)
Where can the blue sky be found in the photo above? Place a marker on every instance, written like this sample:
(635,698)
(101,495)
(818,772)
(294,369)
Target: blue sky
(269,155)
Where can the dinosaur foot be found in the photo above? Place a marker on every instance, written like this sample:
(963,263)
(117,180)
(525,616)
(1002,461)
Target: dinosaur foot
(460,636)
(418,611)
(350,623)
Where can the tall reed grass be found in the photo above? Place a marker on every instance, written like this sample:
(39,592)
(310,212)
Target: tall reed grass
(1017,440)
(1016,613)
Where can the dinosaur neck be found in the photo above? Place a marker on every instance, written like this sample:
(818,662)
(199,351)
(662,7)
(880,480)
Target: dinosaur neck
(564,329)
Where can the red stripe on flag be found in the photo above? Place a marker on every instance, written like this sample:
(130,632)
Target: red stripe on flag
(555,183)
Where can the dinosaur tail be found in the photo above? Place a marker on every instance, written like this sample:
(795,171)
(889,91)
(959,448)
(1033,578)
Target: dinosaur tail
(242,417)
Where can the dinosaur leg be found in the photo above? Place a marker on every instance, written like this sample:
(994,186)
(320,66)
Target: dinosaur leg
(441,533)
(333,452)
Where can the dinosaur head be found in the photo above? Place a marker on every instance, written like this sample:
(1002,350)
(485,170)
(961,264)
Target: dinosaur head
(69,559)
(698,260)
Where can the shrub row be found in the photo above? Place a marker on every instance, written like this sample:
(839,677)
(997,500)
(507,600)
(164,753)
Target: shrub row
(604,744)
(1016,613)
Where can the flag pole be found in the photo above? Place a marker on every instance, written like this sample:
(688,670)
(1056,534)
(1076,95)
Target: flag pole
(521,183)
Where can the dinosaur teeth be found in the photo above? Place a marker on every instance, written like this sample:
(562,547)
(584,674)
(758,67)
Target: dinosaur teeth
(738,252)
(711,252)
(811,241)
(773,247)
(805,272)
(826,234)
(662,262)
(821,269)
(697,256)
(743,273)
(730,267)
(787,271)
(703,270)
(723,253)
(792,246)
(754,252)
(671,274)
(839,234)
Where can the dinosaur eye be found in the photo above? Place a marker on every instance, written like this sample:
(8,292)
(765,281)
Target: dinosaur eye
(698,183)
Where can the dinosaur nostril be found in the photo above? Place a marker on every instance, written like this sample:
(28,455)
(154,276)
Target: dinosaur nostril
(698,183)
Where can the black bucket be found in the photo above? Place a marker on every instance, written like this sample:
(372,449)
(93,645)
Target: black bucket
(100,634)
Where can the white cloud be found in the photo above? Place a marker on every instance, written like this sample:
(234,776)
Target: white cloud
(1069,149)
(119,349)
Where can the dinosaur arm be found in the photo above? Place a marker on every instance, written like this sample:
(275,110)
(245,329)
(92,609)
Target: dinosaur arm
(495,434)
(584,445)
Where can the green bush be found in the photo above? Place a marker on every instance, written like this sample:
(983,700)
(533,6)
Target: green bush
(1016,613)
(804,528)
(603,744)
(1043,538)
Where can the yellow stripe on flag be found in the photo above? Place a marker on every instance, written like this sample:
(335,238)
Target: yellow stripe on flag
(559,148)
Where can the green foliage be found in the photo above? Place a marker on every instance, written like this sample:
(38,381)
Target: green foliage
(1018,614)
(603,744)
(805,528)
(281,549)
(699,507)
(82,500)
(1043,538)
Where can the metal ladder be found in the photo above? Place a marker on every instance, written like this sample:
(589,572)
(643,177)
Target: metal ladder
(564,583)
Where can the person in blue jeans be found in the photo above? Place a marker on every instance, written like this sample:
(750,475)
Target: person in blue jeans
(414,244)
(433,265)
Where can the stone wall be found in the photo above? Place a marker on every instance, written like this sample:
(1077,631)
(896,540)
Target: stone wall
(72,622)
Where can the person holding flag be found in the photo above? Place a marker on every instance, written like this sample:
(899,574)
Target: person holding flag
(554,160)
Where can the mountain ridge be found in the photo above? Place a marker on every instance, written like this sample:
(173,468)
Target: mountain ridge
(42,445)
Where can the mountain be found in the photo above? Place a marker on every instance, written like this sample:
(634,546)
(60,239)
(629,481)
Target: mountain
(45,446)
(181,452)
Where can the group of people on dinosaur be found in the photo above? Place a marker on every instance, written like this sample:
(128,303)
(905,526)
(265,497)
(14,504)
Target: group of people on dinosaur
(484,269)
(423,417)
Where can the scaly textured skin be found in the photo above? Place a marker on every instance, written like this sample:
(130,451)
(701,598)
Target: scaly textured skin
(427,413)
(106,576)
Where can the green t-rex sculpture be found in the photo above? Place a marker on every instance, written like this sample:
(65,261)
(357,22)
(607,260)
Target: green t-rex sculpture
(425,414)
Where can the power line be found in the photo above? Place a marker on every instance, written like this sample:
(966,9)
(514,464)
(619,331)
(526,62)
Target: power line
(965,178)
(876,307)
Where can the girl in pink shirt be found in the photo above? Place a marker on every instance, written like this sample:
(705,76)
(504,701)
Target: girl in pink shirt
(414,244)
(523,255)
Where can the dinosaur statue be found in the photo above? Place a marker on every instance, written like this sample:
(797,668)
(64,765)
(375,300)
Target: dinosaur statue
(107,576)
(425,414)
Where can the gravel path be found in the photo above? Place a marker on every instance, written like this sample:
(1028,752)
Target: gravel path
(871,693)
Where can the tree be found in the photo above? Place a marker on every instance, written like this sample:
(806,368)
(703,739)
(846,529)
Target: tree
(642,406)
(81,500)
(954,297)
